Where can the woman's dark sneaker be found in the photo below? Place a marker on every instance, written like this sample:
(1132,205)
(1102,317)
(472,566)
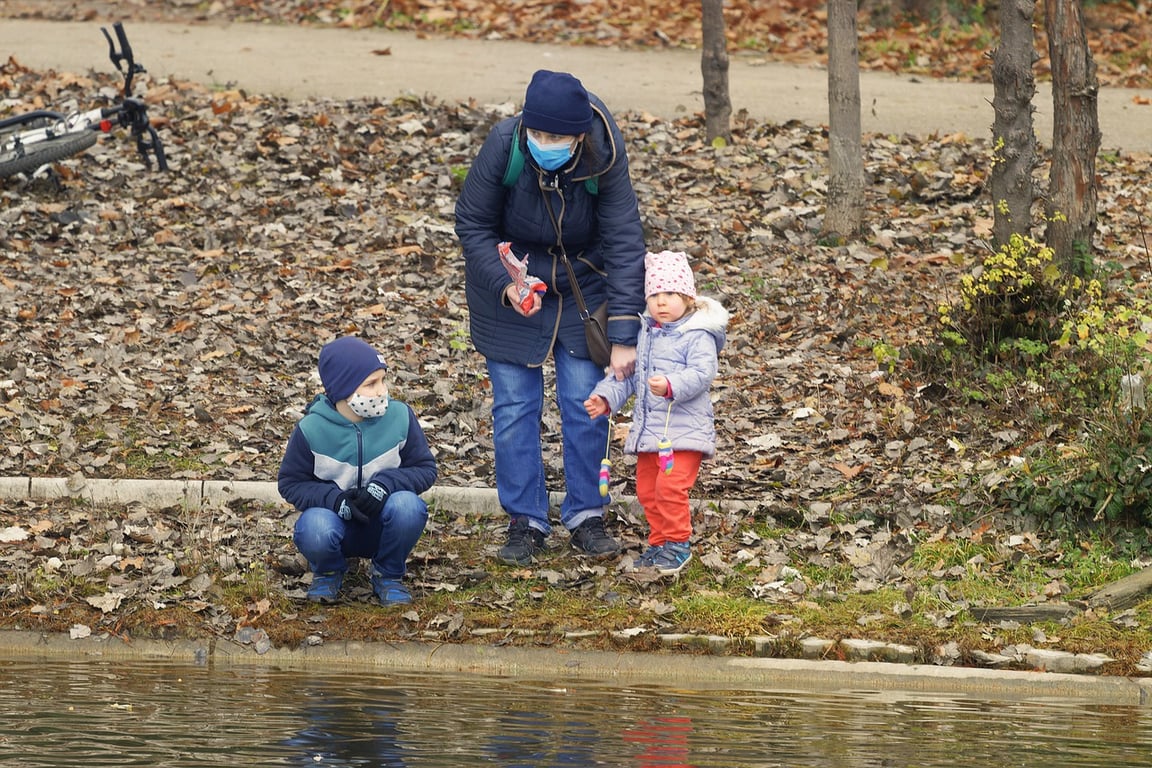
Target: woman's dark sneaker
(524,542)
(591,539)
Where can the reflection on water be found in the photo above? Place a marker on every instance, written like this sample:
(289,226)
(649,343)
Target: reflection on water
(103,713)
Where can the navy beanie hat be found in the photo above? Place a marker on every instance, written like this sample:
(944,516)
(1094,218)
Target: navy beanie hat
(345,363)
(556,102)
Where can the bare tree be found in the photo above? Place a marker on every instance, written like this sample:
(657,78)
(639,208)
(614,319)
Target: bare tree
(844,212)
(1013,134)
(1072,194)
(714,68)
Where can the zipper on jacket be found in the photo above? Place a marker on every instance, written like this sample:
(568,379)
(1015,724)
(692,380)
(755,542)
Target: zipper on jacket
(359,457)
(546,191)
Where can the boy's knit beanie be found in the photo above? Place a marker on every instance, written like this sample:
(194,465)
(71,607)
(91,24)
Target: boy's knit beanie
(668,272)
(556,102)
(345,363)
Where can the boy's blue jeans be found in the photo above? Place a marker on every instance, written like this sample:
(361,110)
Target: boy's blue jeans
(327,541)
(517,407)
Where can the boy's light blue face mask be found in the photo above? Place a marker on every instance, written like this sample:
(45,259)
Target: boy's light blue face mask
(550,156)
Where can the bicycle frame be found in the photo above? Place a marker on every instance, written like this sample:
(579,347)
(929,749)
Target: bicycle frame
(56,125)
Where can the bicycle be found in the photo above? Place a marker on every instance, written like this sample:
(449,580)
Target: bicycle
(34,140)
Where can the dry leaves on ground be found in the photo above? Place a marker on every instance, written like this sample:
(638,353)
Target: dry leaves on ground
(166,325)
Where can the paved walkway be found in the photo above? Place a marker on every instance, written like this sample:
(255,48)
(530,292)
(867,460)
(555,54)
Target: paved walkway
(298,62)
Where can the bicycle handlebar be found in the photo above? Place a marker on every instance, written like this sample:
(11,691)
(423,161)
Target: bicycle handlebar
(123,56)
(132,112)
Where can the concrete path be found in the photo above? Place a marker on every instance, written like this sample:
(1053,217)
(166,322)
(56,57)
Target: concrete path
(303,62)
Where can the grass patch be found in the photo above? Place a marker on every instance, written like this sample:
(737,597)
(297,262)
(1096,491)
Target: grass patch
(245,575)
(720,613)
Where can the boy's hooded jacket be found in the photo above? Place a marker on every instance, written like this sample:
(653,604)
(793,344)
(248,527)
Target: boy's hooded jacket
(602,236)
(328,454)
(686,352)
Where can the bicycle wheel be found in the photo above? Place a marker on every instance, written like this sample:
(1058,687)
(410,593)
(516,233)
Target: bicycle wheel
(28,159)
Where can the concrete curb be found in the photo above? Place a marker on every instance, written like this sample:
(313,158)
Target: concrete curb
(700,671)
(207,493)
(199,493)
(204,493)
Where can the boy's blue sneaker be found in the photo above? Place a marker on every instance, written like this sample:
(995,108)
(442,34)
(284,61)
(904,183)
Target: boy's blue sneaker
(390,591)
(325,587)
(672,558)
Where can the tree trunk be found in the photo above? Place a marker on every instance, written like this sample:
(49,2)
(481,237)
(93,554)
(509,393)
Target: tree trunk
(1013,134)
(714,68)
(844,211)
(1072,197)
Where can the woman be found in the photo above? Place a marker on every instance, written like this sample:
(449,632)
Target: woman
(573,196)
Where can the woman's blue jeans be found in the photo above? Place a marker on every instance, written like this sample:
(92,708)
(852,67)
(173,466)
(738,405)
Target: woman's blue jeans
(517,408)
(327,541)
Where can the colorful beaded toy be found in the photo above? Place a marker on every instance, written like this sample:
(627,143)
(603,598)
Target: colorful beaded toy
(665,456)
(605,464)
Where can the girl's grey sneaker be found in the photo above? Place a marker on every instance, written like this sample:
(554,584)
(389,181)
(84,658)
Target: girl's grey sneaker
(647,556)
(671,558)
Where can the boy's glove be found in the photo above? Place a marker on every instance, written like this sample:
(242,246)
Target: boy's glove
(348,509)
(371,499)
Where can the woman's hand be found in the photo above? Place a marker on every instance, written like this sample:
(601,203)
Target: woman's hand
(623,362)
(513,297)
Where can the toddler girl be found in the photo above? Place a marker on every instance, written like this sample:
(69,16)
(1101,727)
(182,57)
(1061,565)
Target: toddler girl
(672,429)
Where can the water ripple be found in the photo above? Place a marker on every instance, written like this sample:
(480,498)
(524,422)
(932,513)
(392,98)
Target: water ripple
(98,713)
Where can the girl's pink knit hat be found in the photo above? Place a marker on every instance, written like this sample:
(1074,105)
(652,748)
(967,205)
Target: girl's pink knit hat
(668,272)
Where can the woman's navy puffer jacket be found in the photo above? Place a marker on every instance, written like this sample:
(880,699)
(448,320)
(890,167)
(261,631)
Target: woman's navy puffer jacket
(602,235)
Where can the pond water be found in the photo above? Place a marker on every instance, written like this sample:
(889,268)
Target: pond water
(106,713)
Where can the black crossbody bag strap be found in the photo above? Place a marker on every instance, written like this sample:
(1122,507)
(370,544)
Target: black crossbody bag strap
(595,326)
(561,252)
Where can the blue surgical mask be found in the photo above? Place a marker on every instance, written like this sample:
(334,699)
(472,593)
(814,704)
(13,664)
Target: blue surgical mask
(550,156)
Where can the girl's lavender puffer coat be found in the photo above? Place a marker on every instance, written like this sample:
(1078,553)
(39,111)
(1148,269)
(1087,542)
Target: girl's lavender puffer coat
(685,351)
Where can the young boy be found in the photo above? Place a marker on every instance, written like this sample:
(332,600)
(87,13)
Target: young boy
(676,360)
(354,467)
